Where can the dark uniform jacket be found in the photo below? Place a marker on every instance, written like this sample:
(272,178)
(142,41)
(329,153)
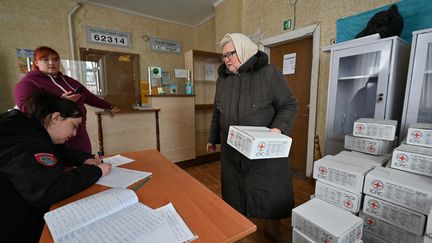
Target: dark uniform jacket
(32,176)
(257,96)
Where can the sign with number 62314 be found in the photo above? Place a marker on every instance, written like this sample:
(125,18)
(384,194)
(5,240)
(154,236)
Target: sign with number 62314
(108,37)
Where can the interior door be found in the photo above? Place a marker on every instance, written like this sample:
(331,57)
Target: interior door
(299,82)
(119,76)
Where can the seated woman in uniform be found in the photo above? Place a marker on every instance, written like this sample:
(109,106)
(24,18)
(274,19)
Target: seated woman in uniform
(32,159)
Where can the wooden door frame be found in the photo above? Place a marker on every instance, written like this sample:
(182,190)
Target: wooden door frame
(314,31)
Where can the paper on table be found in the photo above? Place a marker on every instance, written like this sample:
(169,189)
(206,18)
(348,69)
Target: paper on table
(176,223)
(122,178)
(74,215)
(117,160)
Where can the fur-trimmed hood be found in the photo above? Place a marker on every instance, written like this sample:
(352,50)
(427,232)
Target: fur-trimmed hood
(259,60)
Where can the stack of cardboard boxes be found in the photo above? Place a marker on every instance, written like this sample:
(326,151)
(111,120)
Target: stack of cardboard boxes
(394,202)
(398,204)
(340,178)
(339,185)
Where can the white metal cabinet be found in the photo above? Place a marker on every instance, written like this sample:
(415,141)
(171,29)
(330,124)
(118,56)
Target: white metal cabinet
(366,80)
(418,95)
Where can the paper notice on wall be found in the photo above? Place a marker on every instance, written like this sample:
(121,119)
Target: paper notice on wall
(289,61)
(210,72)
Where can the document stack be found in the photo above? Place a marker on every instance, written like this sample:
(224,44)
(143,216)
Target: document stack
(398,201)
(116,215)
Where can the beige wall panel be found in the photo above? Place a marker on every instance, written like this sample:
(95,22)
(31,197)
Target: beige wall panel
(27,24)
(228,17)
(177,127)
(205,33)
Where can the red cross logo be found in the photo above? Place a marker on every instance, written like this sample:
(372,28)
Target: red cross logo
(261,146)
(370,221)
(360,127)
(373,204)
(348,203)
(402,157)
(371,148)
(322,170)
(416,134)
(377,184)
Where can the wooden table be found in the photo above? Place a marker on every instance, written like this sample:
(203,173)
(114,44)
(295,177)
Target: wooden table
(207,215)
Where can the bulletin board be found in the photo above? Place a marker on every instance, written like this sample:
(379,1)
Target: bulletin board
(416,15)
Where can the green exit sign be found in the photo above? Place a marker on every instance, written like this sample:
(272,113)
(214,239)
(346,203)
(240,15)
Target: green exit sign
(287,24)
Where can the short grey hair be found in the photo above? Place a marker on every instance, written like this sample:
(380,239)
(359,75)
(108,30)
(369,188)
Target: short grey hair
(225,40)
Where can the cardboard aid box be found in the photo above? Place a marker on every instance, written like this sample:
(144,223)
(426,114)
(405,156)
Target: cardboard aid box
(374,128)
(324,222)
(405,189)
(299,237)
(428,231)
(259,142)
(344,199)
(420,134)
(391,213)
(380,160)
(371,238)
(352,158)
(345,175)
(414,159)
(368,145)
(387,231)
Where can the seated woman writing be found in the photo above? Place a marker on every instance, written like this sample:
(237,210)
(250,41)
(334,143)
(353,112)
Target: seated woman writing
(32,159)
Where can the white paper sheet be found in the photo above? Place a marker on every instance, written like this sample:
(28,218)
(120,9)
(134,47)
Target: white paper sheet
(176,223)
(210,72)
(289,61)
(122,178)
(117,160)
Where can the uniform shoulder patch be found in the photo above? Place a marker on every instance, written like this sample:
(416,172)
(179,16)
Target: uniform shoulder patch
(46,159)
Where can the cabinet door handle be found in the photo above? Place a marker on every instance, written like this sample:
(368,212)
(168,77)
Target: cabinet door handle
(380,97)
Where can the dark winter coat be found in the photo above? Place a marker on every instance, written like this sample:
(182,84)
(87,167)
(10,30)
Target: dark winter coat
(257,96)
(32,176)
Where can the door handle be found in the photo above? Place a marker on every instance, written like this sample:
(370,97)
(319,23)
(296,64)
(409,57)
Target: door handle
(380,97)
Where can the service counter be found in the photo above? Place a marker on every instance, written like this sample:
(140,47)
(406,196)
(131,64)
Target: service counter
(168,126)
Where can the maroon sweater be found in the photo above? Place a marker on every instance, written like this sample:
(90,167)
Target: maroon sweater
(36,80)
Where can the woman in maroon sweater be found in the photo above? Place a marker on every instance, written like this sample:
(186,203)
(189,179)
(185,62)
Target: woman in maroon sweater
(46,75)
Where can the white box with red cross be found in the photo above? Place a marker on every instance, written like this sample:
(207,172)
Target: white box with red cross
(324,222)
(379,160)
(414,159)
(405,189)
(259,142)
(347,175)
(420,134)
(375,128)
(344,199)
(351,157)
(371,238)
(368,145)
(299,237)
(391,213)
(387,231)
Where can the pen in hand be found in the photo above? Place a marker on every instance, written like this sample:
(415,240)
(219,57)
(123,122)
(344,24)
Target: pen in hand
(100,156)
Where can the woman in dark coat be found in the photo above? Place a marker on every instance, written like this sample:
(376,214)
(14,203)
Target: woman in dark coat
(251,92)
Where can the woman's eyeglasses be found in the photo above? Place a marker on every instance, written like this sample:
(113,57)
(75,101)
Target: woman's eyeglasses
(228,55)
